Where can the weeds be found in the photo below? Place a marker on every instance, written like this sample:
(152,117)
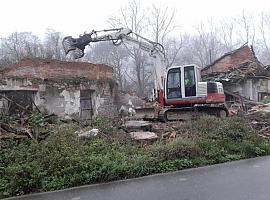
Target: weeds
(62,160)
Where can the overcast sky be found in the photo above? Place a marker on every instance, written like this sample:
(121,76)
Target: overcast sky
(73,17)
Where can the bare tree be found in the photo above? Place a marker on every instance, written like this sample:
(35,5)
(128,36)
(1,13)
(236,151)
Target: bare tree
(53,45)
(161,22)
(18,45)
(188,52)
(246,28)
(264,47)
(133,17)
(115,56)
(173,46)
(227,34)
(208,44)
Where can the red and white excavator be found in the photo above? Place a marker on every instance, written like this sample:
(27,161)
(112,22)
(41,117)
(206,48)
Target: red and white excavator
(179,91)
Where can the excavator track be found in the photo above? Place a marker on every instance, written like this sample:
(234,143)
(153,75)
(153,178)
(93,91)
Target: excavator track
(179,114)
(191,113)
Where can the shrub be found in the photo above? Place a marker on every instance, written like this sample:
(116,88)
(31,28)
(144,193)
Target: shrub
(176,149)
(63,160)
(266,99)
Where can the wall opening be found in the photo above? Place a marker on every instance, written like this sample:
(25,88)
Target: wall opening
(86,106)
(16,101)
(262,95)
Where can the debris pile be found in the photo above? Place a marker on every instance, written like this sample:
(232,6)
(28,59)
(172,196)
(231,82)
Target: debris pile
(259,117)
(23,127)
(143,136)
(134,125)
(144,131)
(8,131)
(139,131)
(238,72)
(87,133)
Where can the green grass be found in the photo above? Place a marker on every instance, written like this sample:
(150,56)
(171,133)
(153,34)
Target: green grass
(62,160)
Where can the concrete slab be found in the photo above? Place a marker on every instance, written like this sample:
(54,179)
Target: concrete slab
(143,136)
(137,125)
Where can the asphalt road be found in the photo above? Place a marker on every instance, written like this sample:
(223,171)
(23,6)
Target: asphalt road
(246,179)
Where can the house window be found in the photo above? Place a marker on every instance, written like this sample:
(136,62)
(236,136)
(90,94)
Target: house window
(17,101)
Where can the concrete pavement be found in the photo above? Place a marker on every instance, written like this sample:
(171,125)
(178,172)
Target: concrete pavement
(241,180)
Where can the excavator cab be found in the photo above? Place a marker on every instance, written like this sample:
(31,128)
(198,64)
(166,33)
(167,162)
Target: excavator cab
(190,82)
(182,82)
(183,88)
(173,88)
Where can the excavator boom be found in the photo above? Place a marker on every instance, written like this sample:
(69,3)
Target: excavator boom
(78,44)
(117,37)
(178,91)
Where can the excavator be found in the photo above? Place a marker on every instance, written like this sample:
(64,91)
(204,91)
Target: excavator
(178,91)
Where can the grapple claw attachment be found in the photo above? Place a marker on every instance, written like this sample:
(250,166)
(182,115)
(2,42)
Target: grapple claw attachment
(77,45)
(68,44)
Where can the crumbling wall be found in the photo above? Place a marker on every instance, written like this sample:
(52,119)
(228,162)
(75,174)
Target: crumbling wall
(249,88)
(63,96)
(36,68)
(58,100)
(59,85)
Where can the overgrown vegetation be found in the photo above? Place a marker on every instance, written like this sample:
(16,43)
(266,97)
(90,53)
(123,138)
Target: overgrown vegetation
(266,99)
(63,160)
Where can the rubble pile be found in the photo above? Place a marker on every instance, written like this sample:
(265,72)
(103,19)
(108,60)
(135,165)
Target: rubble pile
(144,131)
(259,117)
(239,72)
(26,126)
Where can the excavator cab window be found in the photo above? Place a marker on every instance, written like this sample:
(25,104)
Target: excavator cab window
(190,81)
(174,84)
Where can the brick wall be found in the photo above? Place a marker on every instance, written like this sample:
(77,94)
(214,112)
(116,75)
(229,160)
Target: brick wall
(46,68)
(231,60)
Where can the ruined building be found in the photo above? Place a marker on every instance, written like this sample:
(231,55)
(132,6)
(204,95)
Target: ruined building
(65,88)
(241,74)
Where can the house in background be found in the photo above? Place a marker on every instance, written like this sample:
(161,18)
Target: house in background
(241,73)
(64,88)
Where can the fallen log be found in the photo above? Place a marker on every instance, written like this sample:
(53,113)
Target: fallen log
(16,130)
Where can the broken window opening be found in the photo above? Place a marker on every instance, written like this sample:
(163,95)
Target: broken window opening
(16,102)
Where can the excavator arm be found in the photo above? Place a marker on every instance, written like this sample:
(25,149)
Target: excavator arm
(119,36)
(77,45)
